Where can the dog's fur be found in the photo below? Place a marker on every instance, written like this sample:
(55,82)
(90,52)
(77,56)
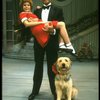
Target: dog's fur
(63,81)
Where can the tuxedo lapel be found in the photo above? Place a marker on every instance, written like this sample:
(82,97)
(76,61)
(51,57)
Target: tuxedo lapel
(51,13)
(38,13)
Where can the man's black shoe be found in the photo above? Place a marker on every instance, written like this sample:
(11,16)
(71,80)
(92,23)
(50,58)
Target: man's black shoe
(32,96)
(65,50)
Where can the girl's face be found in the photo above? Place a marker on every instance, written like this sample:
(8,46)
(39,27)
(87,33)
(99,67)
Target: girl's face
(26,7)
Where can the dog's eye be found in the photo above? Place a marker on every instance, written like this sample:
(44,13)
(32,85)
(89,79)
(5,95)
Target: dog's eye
(66,60)
(60,60)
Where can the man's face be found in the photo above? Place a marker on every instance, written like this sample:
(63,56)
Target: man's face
(46,1)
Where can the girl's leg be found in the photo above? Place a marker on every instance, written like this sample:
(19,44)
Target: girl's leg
(64,38)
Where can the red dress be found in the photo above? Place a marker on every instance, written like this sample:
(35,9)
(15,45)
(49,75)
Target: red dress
(41,36)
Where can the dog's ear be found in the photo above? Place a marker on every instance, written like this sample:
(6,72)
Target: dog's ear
(54,68)
(70,62)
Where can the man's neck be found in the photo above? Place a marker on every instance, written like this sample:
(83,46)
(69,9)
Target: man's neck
(47,4)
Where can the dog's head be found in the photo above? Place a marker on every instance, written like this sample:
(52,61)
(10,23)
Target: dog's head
(63,65)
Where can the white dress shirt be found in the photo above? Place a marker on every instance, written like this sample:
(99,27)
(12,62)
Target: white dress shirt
(45,14)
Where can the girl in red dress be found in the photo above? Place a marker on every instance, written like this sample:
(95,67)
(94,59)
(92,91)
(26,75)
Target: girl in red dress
(37,27)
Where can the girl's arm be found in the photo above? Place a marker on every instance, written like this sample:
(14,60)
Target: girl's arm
(32,23)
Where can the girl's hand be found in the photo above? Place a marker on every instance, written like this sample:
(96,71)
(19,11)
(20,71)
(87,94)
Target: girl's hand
(32,19)
(48,27)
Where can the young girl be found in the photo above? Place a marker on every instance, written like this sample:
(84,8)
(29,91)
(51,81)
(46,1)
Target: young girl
(37,25)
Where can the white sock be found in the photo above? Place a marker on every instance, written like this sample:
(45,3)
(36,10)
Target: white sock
(62,45)
(69,46)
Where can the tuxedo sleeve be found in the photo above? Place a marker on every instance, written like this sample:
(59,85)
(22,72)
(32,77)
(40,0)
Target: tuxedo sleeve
(60,16)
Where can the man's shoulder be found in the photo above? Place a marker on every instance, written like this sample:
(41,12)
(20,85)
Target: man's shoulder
(56,7)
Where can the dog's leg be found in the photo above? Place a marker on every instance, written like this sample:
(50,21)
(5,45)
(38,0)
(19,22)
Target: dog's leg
(58,91)
(69,92)
(59,94)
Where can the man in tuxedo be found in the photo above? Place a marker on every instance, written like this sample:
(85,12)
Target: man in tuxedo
(47,13)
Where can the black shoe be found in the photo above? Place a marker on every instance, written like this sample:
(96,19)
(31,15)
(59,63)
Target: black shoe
(32,96)
(65,50)
(61,50)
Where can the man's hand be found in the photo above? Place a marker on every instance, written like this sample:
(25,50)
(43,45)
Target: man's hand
(48,27)
(38,7)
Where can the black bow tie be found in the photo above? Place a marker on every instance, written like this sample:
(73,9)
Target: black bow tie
(46,7)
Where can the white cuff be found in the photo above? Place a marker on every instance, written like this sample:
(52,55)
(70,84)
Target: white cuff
(23,19)
(53,32)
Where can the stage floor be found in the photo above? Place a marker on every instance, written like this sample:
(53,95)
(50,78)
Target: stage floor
(17,78)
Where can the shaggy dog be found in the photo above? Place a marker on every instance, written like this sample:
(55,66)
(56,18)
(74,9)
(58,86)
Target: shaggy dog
(63,81)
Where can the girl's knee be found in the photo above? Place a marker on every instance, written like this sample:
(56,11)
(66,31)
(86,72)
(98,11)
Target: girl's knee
(62,23)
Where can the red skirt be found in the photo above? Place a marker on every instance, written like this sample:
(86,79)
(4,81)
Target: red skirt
(41,36)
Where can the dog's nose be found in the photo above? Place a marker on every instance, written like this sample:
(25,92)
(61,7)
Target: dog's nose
(63,65)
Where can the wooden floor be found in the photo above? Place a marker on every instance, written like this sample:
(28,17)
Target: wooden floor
(17,80)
